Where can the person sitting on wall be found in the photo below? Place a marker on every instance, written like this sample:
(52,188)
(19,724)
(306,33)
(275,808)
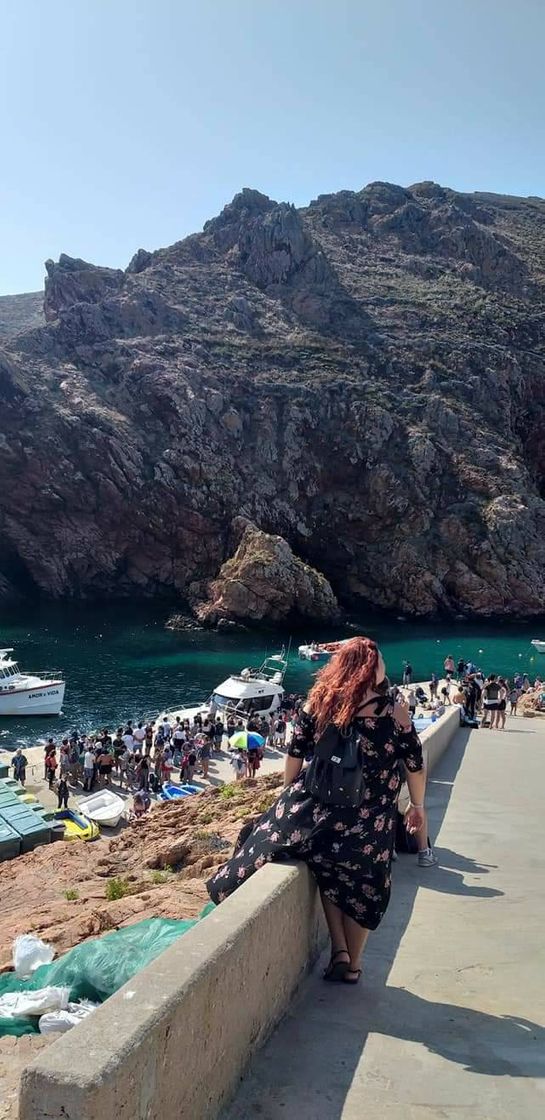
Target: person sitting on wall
(342,828)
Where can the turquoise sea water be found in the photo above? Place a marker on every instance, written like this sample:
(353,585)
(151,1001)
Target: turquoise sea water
(120,662)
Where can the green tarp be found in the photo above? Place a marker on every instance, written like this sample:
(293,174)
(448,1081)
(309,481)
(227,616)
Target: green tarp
(98,968)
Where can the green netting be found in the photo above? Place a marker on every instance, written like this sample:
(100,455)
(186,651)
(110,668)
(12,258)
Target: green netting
(98,968)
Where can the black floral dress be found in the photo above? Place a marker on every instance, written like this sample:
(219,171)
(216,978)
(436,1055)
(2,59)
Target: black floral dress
(349,851)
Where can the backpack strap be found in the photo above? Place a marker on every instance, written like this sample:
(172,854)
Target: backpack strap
(381,703)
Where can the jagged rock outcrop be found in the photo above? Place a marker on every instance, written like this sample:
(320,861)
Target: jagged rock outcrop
(264,581)
(363,377)
(72,281)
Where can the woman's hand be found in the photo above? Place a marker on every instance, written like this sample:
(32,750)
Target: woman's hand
(402,715)
(414,819)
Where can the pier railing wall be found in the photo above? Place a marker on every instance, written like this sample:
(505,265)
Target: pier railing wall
(175,1041)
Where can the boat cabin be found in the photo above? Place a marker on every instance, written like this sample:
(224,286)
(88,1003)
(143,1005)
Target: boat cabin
(252,691)
(8,669)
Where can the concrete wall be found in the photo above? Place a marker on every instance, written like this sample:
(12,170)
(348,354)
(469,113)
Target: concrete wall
(435,740)
(174,1042)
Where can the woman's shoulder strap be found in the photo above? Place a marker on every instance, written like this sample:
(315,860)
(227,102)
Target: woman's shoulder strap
(382,703)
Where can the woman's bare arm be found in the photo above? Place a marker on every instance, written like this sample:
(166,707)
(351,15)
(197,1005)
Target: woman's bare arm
(416,781)
(292,769)
(415,816)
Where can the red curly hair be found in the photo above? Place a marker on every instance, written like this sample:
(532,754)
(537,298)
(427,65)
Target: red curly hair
(342,685)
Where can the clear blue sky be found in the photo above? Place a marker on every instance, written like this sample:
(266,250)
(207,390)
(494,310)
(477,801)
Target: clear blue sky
(128,123)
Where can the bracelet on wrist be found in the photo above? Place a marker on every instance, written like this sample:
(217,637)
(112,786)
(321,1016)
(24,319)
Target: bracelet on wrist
(413,806)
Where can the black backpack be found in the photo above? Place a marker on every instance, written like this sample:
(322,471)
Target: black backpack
(335,776)
(336,773)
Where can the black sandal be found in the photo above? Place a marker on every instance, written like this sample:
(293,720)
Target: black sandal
(336,970)
(355,979)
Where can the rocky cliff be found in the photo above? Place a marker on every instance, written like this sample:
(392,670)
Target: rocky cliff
(364,377)
(263,581)
(18,313)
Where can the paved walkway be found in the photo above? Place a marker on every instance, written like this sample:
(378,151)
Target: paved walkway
(449,1022)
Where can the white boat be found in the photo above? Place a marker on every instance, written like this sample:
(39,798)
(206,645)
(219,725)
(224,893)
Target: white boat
(312,652)
(252,692)
(538,645)
(104,807)
(28,694)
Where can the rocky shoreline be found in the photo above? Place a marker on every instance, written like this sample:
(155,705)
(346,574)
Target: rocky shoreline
(59,891)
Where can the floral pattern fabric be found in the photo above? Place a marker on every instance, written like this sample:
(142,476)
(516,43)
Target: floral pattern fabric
(349,851)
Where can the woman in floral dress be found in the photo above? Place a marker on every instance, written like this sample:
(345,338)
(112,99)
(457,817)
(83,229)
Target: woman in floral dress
(348,850)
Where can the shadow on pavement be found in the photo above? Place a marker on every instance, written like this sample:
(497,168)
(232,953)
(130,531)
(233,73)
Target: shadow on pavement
(307,1068)
(448,876)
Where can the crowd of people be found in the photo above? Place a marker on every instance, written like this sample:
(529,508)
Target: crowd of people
(140,757)
(483,700)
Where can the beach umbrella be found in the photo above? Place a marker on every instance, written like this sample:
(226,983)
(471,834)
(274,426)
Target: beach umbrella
(247,740)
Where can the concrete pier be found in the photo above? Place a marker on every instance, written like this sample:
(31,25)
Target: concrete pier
(449,1020)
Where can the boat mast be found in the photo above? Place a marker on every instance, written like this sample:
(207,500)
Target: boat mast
(286,659)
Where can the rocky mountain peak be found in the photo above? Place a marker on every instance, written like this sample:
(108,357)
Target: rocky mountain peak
(361,379)
(141,259)
(428,189)
(71,280)
(245,206)
(383,198)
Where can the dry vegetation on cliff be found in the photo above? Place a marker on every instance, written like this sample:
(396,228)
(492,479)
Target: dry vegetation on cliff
(159,865)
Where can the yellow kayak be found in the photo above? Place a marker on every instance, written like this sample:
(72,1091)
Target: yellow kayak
(77,827)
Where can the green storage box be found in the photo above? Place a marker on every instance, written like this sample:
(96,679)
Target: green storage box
(8,798)
(10,841)
(11,783)
(43,812)
(17,812)
(32,834)
(4,770)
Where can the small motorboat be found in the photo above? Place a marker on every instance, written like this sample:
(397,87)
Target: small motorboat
(28,694)
(172,792)
(538,645)
(77,827)
(312,652)
(104,807)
